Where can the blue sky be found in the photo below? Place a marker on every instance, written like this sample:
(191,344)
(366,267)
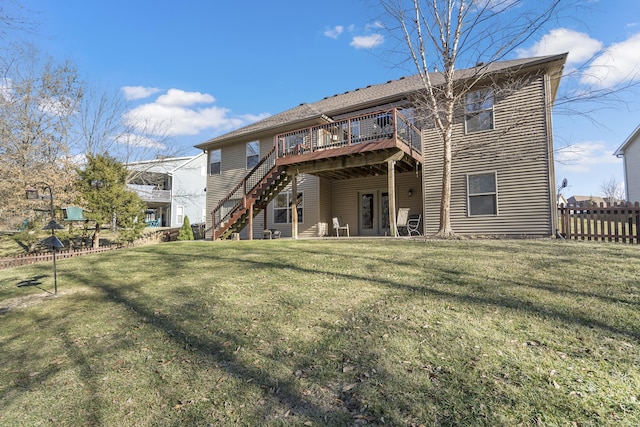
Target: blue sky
(211,66)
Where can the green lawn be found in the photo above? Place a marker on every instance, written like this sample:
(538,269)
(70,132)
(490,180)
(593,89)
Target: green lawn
(330,332)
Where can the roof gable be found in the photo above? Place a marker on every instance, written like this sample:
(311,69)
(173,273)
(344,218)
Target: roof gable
(635,135)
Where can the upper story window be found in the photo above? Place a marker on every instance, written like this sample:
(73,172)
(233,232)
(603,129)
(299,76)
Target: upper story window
(215,157)
(253,154)
(478,109)
(482,194)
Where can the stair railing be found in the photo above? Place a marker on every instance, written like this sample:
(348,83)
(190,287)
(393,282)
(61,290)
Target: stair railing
(242,189)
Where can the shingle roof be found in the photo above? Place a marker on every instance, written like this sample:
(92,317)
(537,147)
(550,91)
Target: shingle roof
(391,90)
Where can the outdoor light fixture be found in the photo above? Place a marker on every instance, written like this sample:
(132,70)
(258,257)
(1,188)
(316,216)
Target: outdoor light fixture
(410,193)
(51,241)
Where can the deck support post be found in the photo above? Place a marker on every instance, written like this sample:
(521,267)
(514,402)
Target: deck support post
(391,184)
(264,212)
(294,207)
(250,210)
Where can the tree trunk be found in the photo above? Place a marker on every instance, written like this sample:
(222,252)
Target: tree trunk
(95,239)
(445,229)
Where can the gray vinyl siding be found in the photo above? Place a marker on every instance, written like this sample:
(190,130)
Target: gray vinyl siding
(233,168)
(326,191)
(345,196)
(517,149)
(309,185)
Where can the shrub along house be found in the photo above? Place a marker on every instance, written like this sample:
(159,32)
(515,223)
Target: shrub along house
(361,155)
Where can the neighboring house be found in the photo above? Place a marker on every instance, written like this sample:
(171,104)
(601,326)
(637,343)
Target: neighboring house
(172,188)
(592,201)
(562,200)
(361,155)
(630,152)
(585,200)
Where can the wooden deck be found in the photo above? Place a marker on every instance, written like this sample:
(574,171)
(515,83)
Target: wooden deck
(353,147)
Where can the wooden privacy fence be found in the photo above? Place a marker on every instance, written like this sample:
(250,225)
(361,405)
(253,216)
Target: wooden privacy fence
(605,222)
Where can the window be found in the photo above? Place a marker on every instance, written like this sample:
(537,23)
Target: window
(253,154)
(482,193)
(282,208)
(214,162)
(478,110)
(228,207)
(179,214)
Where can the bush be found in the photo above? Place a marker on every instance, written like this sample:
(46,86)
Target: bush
(186,233)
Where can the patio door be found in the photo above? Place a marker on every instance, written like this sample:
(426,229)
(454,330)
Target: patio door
(373,213)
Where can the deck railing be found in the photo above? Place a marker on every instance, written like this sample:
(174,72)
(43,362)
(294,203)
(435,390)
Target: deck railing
(350,131)
(588,221)
(148,193)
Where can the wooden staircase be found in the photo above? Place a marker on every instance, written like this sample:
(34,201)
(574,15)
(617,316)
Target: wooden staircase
(252,194)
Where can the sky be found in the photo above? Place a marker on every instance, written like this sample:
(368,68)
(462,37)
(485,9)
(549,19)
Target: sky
(207,67)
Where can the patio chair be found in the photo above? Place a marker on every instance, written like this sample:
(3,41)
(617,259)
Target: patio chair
(413,225)
(402,220)
(338,227)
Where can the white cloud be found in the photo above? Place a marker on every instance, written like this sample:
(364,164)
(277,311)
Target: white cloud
(334,32)
(177,97)
(619,63)
(373,26)
(585,156)
(175,113)
(132,93)
(580,46)
(367,42)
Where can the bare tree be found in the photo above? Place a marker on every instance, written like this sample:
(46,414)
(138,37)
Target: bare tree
(14,18)
(104,126)
(441,35)
(38,98)
(612,190)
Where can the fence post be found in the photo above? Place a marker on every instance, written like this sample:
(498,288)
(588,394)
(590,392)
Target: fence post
(637,211)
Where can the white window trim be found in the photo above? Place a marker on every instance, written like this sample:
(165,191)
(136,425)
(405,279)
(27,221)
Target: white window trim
(247,154)
(288,208)
(469,195)
(180,216)
(210,162)
(475,113)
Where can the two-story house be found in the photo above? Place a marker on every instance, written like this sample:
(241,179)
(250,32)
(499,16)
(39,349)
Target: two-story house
(172,188)
(361,155)
(630,152)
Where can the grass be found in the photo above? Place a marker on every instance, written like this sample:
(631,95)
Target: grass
(332,332)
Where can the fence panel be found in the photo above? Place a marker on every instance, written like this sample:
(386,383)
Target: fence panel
(604,222)
(28,259)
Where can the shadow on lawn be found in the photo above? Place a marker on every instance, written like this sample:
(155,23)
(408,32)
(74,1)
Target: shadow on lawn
(35,281)
(473,291)
(219,349)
